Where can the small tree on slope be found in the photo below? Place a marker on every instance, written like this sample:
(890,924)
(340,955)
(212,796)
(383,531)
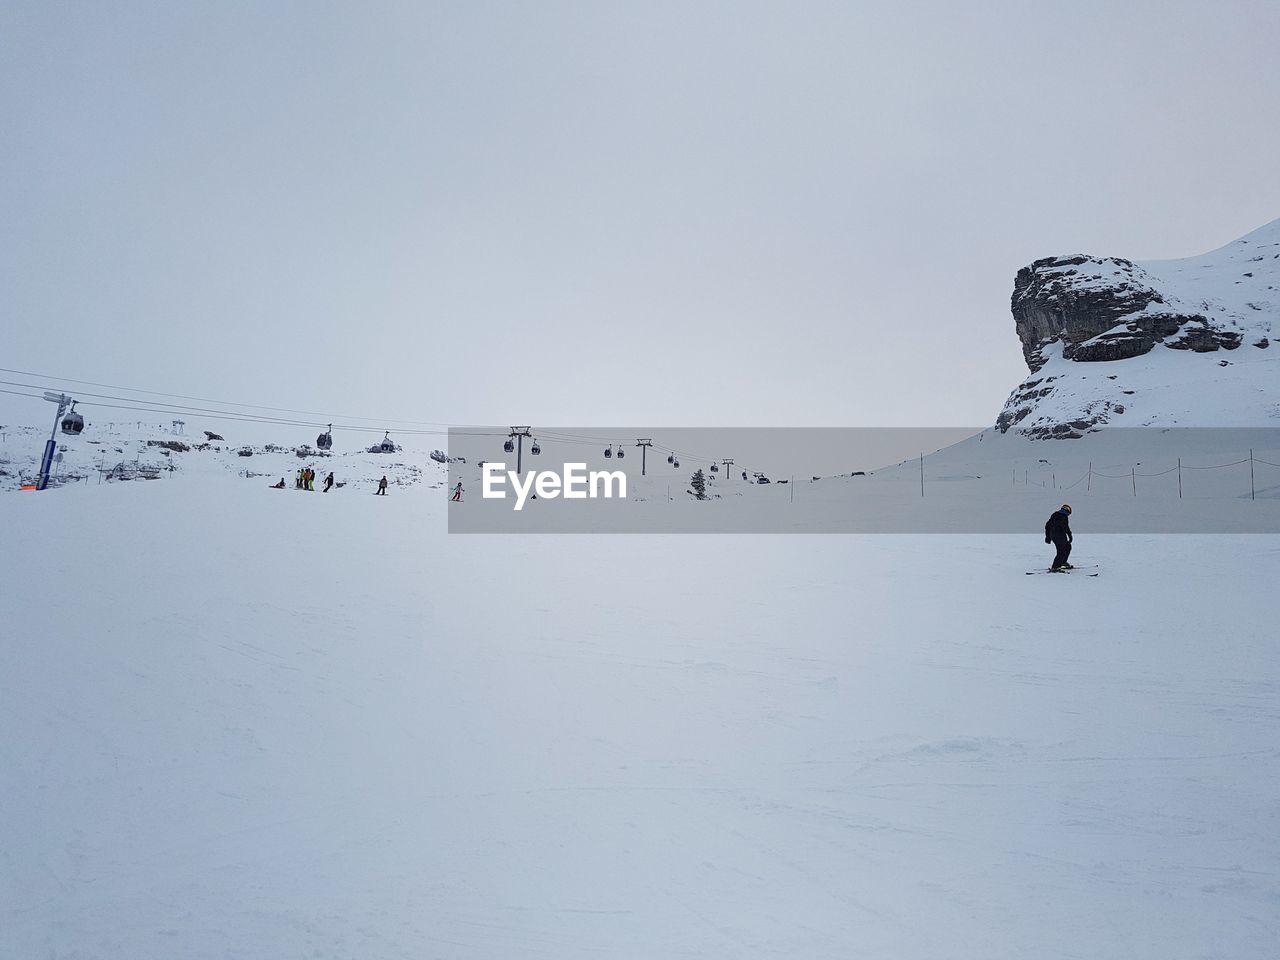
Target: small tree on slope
(699,484)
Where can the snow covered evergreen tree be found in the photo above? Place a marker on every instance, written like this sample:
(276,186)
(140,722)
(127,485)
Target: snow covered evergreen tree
(699,484)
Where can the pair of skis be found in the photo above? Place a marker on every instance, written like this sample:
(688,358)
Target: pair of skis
(1085,569)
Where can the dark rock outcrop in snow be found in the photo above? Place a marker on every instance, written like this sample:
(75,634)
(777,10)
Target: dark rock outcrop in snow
(1102,309)
(1094,330)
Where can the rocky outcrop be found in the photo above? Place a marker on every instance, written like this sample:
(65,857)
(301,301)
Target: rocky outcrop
(1099,334)
(1103,309)
(1202,337)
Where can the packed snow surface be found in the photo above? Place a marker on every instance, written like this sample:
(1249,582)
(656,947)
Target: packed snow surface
(254,724)
(1237,285)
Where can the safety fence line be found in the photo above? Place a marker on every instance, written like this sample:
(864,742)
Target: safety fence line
(1215,466)
(1133,474)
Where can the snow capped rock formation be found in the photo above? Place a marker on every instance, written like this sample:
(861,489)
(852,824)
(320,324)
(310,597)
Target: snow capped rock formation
(1162,343)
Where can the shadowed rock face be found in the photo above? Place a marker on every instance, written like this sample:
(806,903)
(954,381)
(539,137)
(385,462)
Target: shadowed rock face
(1094,331)
(1102,309)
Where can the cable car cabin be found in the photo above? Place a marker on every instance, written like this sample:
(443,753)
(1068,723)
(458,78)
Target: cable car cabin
(671,459)
(608,453)
(509,447)
(714,468)
(325,440)
(535,449)
(621,453)
(73,423)
(387,445)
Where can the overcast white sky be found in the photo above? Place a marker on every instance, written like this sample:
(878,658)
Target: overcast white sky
(683,213)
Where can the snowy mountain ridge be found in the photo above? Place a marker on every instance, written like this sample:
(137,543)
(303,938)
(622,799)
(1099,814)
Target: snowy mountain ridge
(1106,337)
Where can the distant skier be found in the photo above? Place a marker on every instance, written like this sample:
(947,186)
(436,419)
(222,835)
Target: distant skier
(278,486)
(1058,532)
(457,492)
(382,487)
(328,482)
(297,483)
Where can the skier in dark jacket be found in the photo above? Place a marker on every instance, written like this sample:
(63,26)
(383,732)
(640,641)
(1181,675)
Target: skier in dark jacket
(382,487)
(1058,532)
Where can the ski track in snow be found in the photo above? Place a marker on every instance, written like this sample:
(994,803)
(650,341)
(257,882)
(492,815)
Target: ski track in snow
(245,723)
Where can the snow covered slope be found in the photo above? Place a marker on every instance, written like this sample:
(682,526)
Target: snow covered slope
(1123,481)
(1163,343)
(247,724)
(141,451)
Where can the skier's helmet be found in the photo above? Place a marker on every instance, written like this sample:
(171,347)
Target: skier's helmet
(1066,508)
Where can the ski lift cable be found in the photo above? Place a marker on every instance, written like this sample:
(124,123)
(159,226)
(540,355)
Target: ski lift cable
(143,405)
(170,409)
(609,441)
(591,439)
(245,418)
(156,406)
(229,403)
(18,393)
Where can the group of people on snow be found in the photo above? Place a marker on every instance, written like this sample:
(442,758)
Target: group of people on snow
(306,480)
